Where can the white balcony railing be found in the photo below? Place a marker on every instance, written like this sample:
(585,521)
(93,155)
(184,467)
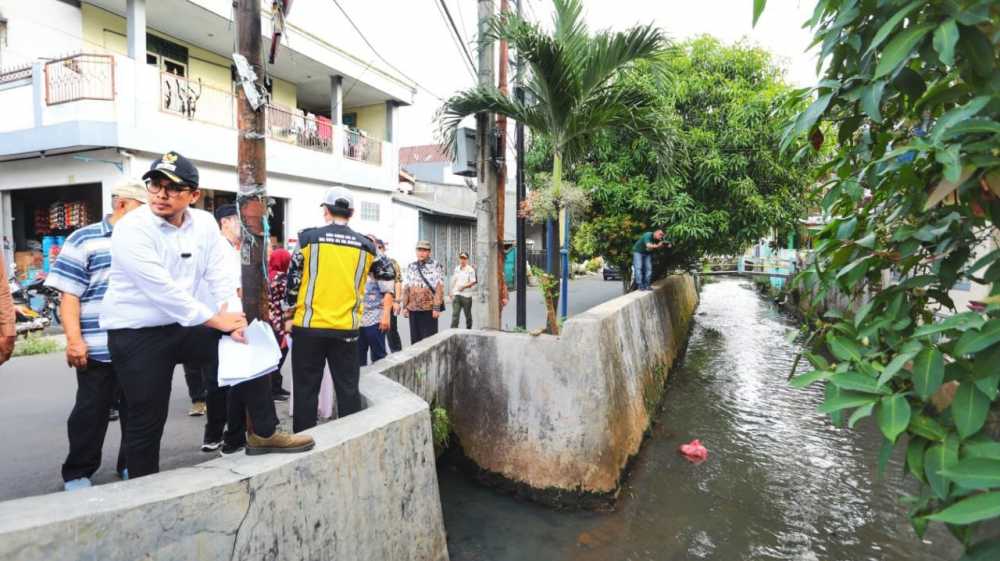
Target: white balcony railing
(358,146)
(314,133)
(196,102)
(79,77)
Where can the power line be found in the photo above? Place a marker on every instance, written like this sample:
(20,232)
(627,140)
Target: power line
(379,55)
(458,35)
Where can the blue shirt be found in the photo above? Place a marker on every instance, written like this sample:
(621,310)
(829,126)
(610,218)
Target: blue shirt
(82,269)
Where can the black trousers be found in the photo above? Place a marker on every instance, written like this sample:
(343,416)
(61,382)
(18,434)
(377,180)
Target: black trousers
(422,326)
(195,384)
(144,360)
(215,400)
(372,339)
(277,380)
(310,353)
(392,337)
(96,386)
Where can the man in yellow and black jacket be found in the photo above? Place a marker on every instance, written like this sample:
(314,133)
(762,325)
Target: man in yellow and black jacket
(326,285)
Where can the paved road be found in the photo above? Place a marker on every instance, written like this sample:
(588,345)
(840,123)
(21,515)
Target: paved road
(39,392)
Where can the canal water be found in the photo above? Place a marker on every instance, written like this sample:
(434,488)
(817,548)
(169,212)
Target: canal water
(780,482)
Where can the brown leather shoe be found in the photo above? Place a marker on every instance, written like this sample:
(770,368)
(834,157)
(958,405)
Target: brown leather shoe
(279,443)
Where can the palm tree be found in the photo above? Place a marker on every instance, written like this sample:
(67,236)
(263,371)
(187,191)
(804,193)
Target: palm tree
(574,89)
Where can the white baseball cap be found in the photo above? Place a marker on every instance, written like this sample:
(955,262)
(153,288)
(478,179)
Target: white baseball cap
(339,198)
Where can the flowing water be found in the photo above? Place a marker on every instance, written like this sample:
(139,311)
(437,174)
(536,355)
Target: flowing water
(780,482)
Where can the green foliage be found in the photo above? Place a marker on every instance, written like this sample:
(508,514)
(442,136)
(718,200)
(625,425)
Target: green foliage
(440,427)
(36,344)
(911,94)
(713,179)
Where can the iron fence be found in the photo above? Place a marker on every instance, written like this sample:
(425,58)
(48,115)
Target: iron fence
(77,77)
(360,147)
(15,73)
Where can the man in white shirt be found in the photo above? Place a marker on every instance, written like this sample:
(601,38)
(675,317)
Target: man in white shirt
(463,282)
(162,255)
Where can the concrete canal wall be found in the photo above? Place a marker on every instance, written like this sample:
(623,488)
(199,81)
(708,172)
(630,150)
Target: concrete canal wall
(560,415)
(367,491)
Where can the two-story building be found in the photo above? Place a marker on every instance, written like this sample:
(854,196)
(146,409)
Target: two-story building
(92,91)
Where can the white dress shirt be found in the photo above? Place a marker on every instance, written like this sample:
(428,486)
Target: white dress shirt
(157,269)
(233,264)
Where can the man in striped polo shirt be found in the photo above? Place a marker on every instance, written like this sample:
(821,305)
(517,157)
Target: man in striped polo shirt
(81,273)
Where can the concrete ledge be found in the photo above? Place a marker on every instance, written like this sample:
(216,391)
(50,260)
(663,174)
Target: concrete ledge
(367,491)
(556,414)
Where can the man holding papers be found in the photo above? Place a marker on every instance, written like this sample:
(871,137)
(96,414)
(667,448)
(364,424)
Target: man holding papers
(162,254)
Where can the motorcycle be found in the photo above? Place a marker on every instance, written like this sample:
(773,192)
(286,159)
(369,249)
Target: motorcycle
(28,320)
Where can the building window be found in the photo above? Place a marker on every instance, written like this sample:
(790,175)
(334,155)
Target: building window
(369,211)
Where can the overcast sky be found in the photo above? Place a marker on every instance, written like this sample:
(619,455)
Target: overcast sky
(413,35)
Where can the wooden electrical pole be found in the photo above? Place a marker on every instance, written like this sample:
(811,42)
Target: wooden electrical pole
(251,166)
(488,311)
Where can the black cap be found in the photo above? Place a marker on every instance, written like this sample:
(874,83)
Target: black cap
(463,254)
(176,168)
(225,210)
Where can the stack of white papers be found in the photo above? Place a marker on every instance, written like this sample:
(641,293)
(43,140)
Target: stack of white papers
(239,362)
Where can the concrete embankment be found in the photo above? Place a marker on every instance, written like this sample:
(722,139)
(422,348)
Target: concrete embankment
(367,491)
(557,416)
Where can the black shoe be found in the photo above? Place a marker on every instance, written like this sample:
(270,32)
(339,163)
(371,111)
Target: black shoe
(228,449)
(113,415)
(281,395)
(210,446)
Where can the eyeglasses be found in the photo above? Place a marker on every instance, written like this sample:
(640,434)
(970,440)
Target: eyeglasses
(155,186)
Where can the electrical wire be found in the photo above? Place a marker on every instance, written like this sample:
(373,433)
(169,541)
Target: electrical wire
(379,55)
(454,28)
(458,42)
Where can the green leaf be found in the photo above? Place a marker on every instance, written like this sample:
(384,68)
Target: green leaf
(884,454)
(945,38)
(937,458)
(922,425)
(900,48)
(893,416)
(973,126)
(830,393)
(950,158)
(843,349)
(958,115)
(988,550)
(915,457)
(974,473)
(855,381)
(871,100)
(895,365)
(758,8)
(989,449)
(860,413)
(974,341)
(969,510)
(846,228)
(809,378)
(989,384)
(808,118)
(890,25)
(962,321)
(969,409)
(928,372)
(845,400)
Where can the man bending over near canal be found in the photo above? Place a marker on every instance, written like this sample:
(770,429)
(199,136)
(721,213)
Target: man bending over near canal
(642,257)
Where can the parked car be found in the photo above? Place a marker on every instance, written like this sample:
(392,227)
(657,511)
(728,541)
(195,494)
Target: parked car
(610,272)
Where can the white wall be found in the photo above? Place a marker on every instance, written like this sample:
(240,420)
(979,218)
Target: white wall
(30,37)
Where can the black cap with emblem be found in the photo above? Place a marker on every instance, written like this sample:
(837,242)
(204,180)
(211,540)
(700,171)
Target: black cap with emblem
(174,167)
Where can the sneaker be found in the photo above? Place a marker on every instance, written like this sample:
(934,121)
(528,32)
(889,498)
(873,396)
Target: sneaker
(77,484)
(113,414)
(198,409)
(211,446)
(279,442)
(230,449)
(281,395)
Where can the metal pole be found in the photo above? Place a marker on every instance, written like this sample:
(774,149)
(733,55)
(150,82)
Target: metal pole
(488,311)
(251,167)
(502,168)
(522,249)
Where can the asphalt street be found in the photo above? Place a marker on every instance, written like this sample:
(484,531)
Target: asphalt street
(40,392)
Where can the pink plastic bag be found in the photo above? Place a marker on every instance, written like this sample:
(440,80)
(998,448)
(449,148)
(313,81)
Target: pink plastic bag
(325,398)
(694,452)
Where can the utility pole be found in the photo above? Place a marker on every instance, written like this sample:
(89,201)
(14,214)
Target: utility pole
(488,310)
(521,268)
(251,165)
(502,167)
